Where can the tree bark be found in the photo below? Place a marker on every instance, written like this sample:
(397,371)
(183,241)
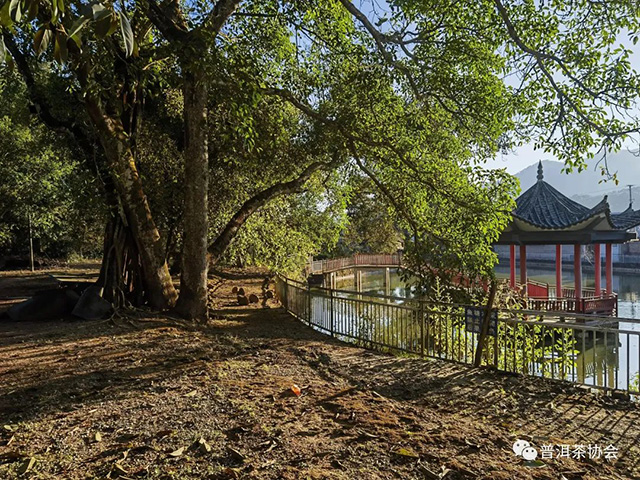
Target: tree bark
(159,290)
(192,303)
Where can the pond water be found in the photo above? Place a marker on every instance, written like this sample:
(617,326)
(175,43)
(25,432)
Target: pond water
(613,361)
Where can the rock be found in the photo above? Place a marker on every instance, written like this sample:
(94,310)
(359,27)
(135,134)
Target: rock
(91,306)
(253,298)
(269,294)
(242,300)
(241,291)
(45,305)
(17,263)
(234,290)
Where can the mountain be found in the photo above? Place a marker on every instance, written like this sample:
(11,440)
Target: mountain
(587,186)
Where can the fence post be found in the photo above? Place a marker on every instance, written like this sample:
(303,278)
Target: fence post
(286,294)
(485,324)
(421,315)
(309,304)
(332,325)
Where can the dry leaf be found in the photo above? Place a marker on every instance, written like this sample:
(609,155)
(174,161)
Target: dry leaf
(118,470)
(192,393)
(97,437)
(296,390)
(236,454)
(406,452)
(178,452)
(201,445)
(27,465)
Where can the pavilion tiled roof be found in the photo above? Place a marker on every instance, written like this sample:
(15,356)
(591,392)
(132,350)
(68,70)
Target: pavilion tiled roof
(545,207)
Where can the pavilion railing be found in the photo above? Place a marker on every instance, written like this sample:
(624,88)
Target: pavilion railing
(542,296)
(599,352)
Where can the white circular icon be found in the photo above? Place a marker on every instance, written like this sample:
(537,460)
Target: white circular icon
(519,446)
(529,453)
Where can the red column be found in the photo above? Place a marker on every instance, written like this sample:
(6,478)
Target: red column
(512,266)
(558,271)
(577,270)
(523,266)
(596,253)
(609,268)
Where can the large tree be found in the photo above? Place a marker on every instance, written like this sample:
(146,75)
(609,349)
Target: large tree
(415,94)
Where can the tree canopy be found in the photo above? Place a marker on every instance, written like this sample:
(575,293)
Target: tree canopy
(252,121)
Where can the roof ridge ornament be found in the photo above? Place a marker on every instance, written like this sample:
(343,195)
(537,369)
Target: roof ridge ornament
(540,174)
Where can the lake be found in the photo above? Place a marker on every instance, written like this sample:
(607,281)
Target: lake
(600,362)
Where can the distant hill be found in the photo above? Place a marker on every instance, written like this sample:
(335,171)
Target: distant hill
(584,187)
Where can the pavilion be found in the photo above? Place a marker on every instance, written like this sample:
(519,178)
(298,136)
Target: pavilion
(544,216)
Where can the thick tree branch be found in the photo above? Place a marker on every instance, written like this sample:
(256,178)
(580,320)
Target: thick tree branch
(356,138)
(173,26)
(220,14)
(219,246)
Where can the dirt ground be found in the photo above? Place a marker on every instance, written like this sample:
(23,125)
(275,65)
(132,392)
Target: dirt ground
(144,396)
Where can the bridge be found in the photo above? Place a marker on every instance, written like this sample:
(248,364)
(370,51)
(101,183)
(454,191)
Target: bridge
(327,270)
(541,296)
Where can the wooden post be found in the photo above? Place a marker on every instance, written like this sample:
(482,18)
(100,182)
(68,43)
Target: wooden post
(31,245)
(512,266)
(523,267)
(609,268)
(485,324)
(598,268)
(558,271)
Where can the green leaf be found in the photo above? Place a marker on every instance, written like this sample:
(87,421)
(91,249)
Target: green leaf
(104,26)
(100,12)
(54,11)
(3,51)
(5,15)
(41,40)
(32,11)
(74,32)
(127,34)
(15,10)
(60,51)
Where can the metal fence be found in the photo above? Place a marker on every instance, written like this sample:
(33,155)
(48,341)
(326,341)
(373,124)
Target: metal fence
(599,352)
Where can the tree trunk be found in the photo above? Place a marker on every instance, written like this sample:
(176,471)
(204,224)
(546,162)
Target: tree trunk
(120,279)
(158,287)
(192,303)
